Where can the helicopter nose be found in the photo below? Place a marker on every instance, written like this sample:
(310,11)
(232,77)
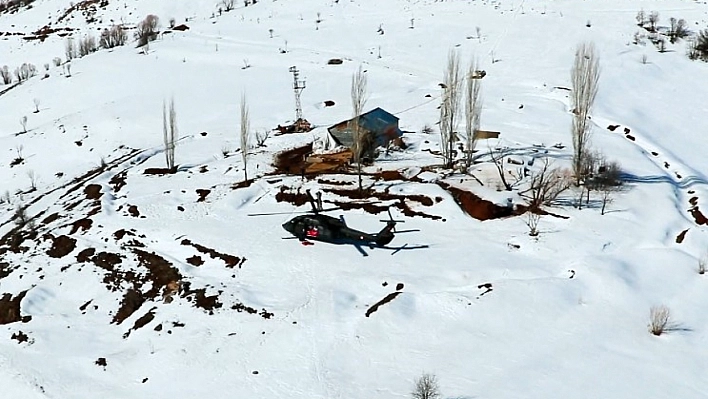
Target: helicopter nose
(289,226)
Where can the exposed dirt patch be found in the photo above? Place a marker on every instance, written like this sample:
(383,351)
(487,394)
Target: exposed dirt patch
(296,198)
(10,309)
(195,261)
(81,224)
(50,218)
(118,181)
(230,260)
(132,300)
(101,361)
(329,103)
(487,287)
(20,337)
(388,298)
(242,184)
(681,236)
(239,307)
(93,191)
(85,255)
(61,246)
(630,137)
(85,305)
(181,28)
(200,299)
(612,128)
(202,194)
(161,271)
(292,161)
(133,211)
(119,234)
(654,153)
(142,321)
(476,207)
(698,216)
(335,61)
(693,201)
(160,171)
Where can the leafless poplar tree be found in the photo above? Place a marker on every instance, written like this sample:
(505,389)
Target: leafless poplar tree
(36,105)
(449,109)
(358,95)
(23,122)
(585,77)
(426,387)
(473,109)
(5,75)
(169,129)
(245,127)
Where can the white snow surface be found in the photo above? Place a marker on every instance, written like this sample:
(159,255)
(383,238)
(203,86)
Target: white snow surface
(568,310)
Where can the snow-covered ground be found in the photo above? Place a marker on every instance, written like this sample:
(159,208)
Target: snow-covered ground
(491,311)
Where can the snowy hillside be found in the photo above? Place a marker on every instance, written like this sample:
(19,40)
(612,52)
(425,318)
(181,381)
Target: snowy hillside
(118,280)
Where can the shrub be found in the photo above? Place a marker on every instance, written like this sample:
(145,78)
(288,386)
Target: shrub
(700,46)
(659,317)
(113,37)
(57,61)
(5,75)
(87,45)
(426,387)
(147,30)
(678,30)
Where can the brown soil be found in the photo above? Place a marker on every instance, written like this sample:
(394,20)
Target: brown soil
(85,255)
(101,361)
(93,191)
(329,103)
(297,198)
(388,298)
(195,261)
(242,184)
(160,171)
(132,300)
(202,194)
(142,321)
(181,28)
(10,308)
(61,246)
(118,181)
(200,299)
(292,161)
(487,288)
(681,236)
(630,137)
(335,61)
(51,218)
(161,271)
(476,207)
(119,234)
(239,307)
(612,127)
(698,216)
(133,211)
(230,260)
(693,201)
(20,337)
(83,224)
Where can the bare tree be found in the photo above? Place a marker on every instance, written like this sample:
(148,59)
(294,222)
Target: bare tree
(702,263)
(169,130)
(36,105)
(70,49)
(546,186)
(498,159)
(261,138)
(659,318)
(5,75)
(585,76)
(113,37)
(87,45)
(227,5)
(653,20)
(426,387)
(641,17)
(147,30)
(245,127)
(449,109)
(473,109)
(23,122)
(33,179)
(532,219)
(358,96)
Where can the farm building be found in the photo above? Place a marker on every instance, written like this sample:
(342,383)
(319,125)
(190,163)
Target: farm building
(379,126)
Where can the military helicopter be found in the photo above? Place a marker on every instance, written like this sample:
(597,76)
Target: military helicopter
(317,226)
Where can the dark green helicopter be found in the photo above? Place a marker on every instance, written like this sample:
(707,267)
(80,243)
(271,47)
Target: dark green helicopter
(317,226)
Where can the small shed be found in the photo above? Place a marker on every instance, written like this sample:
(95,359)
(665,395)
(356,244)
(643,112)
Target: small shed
(379,126)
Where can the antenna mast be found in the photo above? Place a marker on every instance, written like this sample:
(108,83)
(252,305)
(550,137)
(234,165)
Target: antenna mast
(298,87)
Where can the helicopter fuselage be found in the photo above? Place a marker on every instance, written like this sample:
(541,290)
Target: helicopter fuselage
(329,229)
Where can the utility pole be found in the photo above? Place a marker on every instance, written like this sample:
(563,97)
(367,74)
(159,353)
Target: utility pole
(298,87)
